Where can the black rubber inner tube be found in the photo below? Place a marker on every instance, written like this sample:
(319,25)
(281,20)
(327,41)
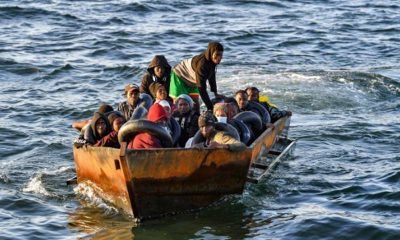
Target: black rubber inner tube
(251,119)
(244,131)
(133,127)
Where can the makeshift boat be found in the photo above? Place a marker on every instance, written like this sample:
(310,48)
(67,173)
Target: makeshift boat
(156,182)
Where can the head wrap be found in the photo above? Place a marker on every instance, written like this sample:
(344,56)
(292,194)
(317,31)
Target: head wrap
(187,98)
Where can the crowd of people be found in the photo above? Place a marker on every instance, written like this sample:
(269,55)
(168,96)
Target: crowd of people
(170,98)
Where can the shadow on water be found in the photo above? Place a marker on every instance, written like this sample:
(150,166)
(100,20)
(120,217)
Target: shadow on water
(225,220)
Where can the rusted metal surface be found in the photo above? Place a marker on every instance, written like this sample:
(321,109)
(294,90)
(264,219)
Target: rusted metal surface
(267,139)
(171,180)
(150,183)
(97,165)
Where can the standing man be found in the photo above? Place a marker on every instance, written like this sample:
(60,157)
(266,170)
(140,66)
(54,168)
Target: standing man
(191,76)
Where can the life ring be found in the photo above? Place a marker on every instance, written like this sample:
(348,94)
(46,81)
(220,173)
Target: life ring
(145,100)
(133,127)
(175,129)
(246,135)
(261,110)
(251,119)
(139,113)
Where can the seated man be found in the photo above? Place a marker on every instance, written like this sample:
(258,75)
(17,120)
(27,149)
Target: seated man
(244,105)
(254,96)
(158,115)
(132,100)
(116,120)
(98,128)
(214,138)
(186,117)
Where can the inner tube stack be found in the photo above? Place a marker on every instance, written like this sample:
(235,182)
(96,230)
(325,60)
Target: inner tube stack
(175,129)
(133,127)
(139,113)
(261,110)
(253,122)
(145,100)
(246,135)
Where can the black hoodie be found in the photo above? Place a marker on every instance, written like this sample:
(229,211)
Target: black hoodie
(149,77)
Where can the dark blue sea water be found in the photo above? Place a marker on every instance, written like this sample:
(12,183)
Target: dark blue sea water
(335,64)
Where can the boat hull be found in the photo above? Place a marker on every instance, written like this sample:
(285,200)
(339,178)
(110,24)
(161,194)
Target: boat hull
(152,183)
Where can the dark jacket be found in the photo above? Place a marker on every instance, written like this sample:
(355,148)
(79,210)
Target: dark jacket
(274,112)
(149,77)
(93,137)
(189,125)
(111,140)
(205,70)
(126,109)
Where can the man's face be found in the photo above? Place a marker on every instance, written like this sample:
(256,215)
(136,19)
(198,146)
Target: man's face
(133,97)
(206,131)
(253,95)
(241,100)
(183,106)
(217,57)
(101,127)
(159,71)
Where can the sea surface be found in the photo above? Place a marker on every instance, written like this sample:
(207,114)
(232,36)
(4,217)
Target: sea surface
(335,64)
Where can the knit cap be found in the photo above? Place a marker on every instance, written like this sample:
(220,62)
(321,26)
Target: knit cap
(187,98)
(206,119)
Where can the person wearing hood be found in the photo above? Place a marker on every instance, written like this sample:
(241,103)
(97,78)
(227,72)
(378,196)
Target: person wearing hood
(116,120)
(95,130)
(186,117)
(100,127)
(191,76)
(103,108)
(145,140)
(158,71)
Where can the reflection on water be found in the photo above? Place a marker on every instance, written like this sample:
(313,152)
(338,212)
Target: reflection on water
(93,222)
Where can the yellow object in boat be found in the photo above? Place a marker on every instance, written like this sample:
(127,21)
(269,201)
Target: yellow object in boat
(265,99)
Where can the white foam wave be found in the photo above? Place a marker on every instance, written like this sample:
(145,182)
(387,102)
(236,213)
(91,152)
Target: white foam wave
(88,192)
(35,185)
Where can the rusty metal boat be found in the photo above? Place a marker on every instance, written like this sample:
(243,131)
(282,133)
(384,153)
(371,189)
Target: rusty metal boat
(157,182)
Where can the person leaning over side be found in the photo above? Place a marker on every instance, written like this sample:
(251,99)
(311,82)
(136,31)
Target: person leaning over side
(132,101)
(214,138)
(158,71)
(190,76)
